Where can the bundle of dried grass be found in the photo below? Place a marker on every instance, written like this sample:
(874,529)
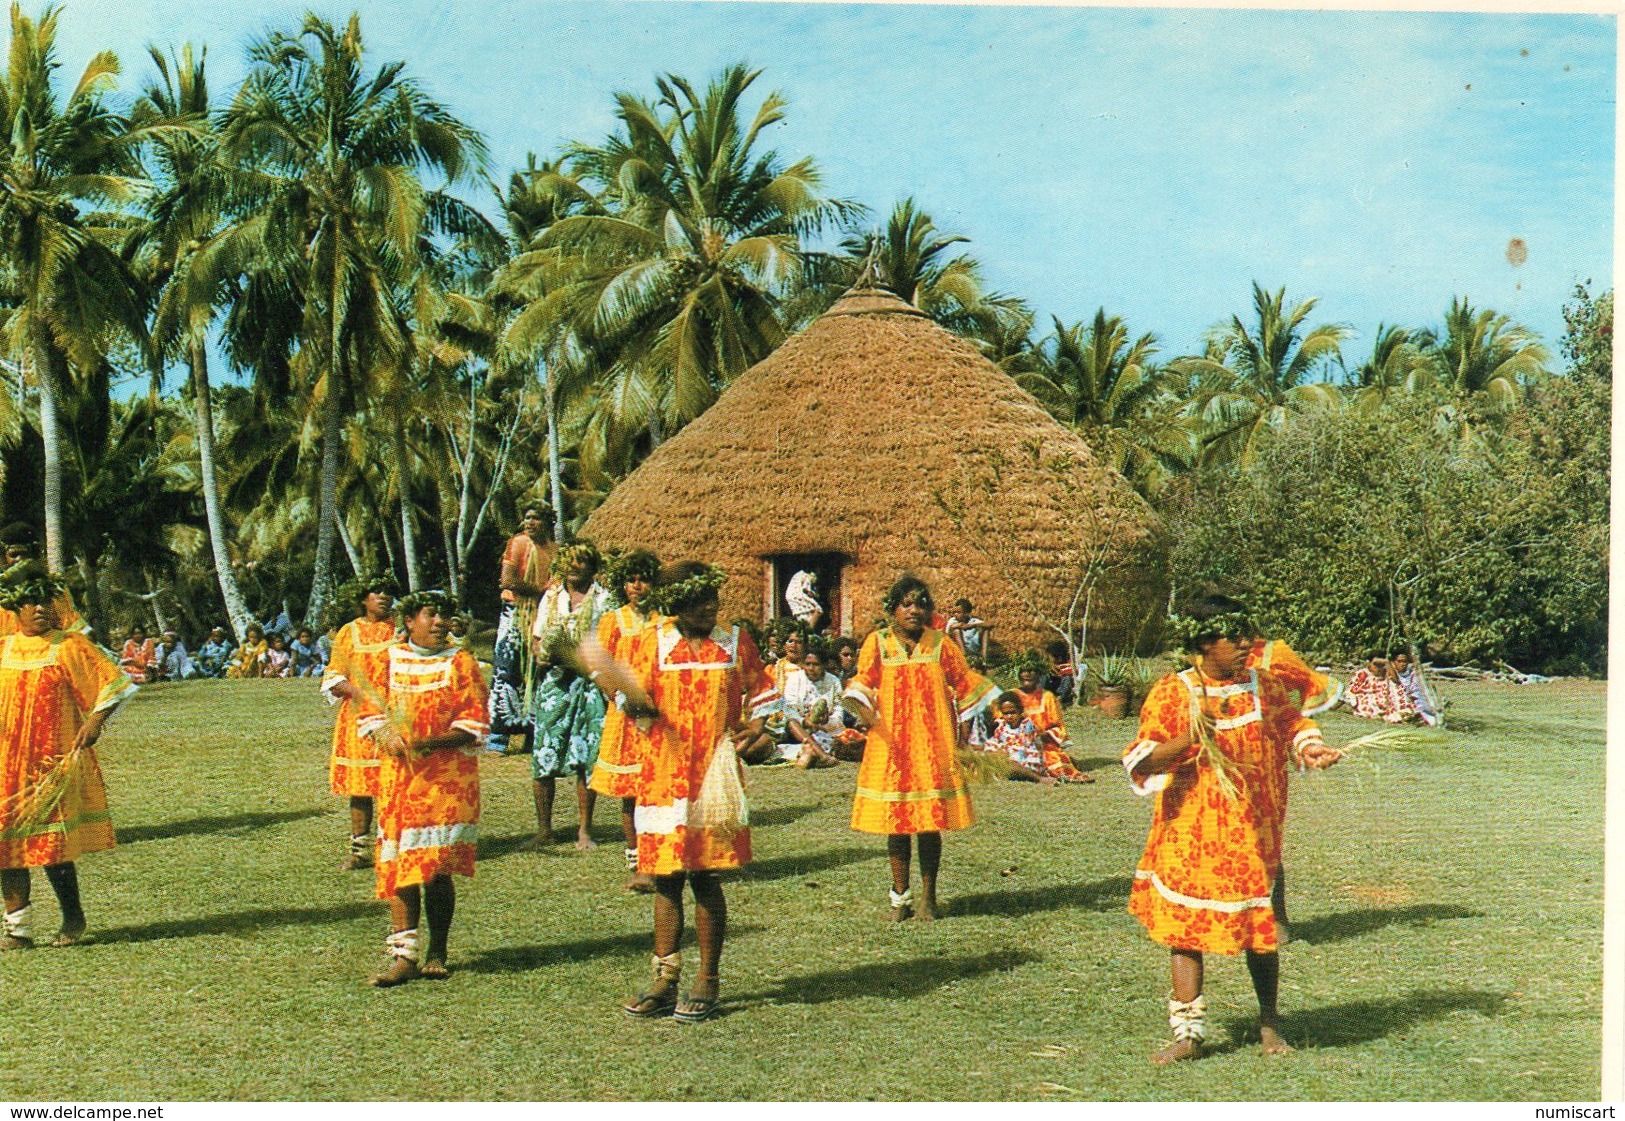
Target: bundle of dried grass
(983,767)
(39,803)
(1396,738)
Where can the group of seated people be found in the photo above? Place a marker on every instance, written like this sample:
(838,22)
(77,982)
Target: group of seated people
(289,652)
(1029,729)
(811,671)
(1390,690)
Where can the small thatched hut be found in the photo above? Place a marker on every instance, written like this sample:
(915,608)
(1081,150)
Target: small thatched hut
(875,442)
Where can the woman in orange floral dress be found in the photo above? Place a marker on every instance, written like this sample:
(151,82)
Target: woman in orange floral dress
(1203,885)
(57,689)
(1043,708)
(706,685)
(909,782)
(429,730)
(620,748)
(359,664)
(18,543)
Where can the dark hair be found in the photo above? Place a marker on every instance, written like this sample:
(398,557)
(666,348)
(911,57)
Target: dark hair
(253,628)
(1008,697)
(962,602)
(1208,618)
(843,643)
(622,568)
(907,584)
(1058,650)
(18,533)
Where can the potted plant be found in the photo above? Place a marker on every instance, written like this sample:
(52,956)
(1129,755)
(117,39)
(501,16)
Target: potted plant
(1113,674)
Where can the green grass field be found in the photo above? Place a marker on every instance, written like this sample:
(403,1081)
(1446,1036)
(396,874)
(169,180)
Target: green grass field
(1449,903)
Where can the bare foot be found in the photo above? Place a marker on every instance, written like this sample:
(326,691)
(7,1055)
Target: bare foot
(899,914)
(930,910)
(353,863)
(70,934)
(641,883)
(12,942)
(1272,1041)
(1084,776)
(434,970)
(537,843)
(1180,1051)
(584,842)
(400,971)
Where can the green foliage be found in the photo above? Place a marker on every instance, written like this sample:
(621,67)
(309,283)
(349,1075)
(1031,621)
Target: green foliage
(1350,531)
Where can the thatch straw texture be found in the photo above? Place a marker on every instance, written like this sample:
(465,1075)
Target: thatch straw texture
(852,438)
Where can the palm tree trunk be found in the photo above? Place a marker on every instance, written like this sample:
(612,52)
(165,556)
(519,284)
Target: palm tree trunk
(321,584)
(236,607)
(51,366)
(556,487)
(403,486)
(153,597)
(349,547)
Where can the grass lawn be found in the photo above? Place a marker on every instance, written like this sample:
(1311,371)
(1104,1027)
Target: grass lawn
(1449,904)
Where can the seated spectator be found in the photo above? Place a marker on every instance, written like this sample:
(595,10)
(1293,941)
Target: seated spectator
(139,657)
(801,596)
(812,709)
(1062,679)
(308,659)
(1410,680)
(1015,735)
(1044,709)
(325,643)
(457,630)
(277,661)
(971,633)
(1375,693)
(246,662)
(173,663)
(789,665)
(846,659)
(213,655)
(282,624)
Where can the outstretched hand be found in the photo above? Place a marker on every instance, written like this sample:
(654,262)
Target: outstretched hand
(1318,756)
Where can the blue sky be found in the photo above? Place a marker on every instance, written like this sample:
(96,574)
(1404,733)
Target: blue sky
(1155,162)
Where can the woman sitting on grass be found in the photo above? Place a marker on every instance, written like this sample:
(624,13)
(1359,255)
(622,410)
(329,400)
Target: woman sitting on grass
(812,710)
(1043,708)
(139,656)
(429,724)
(909,783)
(1375,693)
(1214,746)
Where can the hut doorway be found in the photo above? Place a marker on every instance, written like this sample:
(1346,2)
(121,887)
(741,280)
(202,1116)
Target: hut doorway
(830,587)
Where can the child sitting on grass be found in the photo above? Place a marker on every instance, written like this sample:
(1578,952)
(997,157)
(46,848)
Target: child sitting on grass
(276,661)
(1043,708)
(1015,735)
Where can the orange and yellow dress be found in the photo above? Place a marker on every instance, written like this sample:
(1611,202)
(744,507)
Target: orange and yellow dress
(49,684)
(428,805)
(1204,881)
(1315,690)
(702,689)
(360,656)
(909,780)
(621,747)
(67,617)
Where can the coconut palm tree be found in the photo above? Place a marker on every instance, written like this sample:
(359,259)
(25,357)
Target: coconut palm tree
(1483,355)
(1254,378)
(331,162)
(61,158)
(1396,364)
(187,208)
(681,284)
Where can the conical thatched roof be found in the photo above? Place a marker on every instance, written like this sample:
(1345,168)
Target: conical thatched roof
(844,440)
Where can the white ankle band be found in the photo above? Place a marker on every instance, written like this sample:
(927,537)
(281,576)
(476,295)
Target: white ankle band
(902,899)
(1189,1020)
(403,944)
(19,923)
(632,860)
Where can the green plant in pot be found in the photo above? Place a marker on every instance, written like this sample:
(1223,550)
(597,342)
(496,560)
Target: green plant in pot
(1114,675)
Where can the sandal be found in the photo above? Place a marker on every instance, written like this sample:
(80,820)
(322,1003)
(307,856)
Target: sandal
(695,1009)
(660,999)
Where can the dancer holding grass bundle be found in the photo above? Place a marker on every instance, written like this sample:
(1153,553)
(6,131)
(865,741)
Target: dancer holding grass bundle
(359,666)
(620,748)
(56,691)
(706,688)
(909,782)
(1213,746)
(20,545)
(429,724)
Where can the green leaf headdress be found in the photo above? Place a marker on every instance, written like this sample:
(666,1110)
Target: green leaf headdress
(577,552)
(699,583)
(27,582)
(410,605)
(619,568)
(1032,658)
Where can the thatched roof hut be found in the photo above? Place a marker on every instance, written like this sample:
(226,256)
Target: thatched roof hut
(875,442)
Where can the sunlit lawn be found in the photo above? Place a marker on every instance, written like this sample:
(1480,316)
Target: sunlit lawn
(1449,903)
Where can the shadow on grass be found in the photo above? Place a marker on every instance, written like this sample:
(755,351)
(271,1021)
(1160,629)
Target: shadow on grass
(1362,1021)
(1352,924)
(135,834)
(900,980)
(523,959)
(1103,895)
(783,815)
(238,922)
(788,867)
